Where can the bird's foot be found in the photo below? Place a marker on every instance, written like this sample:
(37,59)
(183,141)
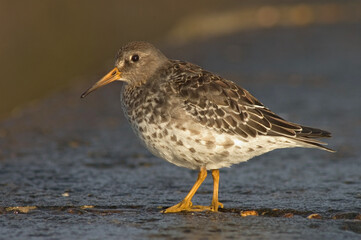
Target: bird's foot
(215,205)
(182,206)
(188,206)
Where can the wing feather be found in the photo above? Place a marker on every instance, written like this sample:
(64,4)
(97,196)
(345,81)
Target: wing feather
(225,107)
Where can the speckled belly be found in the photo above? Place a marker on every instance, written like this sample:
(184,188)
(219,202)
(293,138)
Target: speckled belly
(171,134)
(193,145)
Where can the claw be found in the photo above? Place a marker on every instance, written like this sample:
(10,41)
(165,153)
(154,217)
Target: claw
(216,205)
(182,206)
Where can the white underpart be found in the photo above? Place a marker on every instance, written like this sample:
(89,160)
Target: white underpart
(194,152)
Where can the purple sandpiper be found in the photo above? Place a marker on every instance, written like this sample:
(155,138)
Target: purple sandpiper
(196,119)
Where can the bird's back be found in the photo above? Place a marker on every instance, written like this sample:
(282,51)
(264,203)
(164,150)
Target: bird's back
(221,105)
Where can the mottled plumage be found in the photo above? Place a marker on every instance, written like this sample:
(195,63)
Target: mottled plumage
(221,105)
(196,119)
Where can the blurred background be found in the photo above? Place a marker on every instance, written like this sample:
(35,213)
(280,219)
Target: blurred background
(47,46)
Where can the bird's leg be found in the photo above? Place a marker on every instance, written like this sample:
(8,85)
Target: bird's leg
(215,203)
(186,204)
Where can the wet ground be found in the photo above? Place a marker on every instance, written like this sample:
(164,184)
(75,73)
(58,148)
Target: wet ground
(72,168)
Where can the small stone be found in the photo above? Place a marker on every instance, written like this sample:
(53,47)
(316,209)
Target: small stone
(249,213)
(314,216)
(25,209)
(66,194)
(86,206)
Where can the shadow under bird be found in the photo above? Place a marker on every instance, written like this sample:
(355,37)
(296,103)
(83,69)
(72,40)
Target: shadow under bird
(196,119)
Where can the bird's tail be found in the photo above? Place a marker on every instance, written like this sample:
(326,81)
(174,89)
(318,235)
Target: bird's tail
(309,136)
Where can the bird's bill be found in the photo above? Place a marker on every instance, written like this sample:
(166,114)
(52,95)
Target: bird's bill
(112,76)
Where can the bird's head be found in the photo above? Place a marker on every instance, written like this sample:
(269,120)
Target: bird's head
(136,62)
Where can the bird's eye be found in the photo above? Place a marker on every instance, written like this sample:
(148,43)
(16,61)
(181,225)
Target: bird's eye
(135,58)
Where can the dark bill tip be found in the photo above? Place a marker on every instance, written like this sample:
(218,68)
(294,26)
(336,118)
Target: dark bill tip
(84,94)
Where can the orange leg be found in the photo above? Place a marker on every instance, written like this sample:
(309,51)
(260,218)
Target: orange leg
(215,203)
(186,204)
